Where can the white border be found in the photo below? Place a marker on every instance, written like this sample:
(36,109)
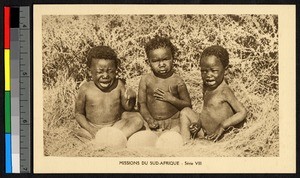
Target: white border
(285,163)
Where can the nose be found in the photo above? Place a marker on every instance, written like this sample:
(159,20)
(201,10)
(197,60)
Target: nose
(105,75)
(209,74)
(161,64)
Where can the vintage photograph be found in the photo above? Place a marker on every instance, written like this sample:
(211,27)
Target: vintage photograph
(160,85)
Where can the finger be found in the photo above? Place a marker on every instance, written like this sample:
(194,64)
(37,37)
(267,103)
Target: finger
(156,125)
(194,135)
(193,130)
(194,124)
(126,96)
(163,125)
(160,90)
(170,89)
(152,126)
(158,95)
(168,124)
(210,137)
(159,98)
(196,127)
(217,138)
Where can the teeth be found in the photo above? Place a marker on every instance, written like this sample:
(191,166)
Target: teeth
(104,84)
(210,82)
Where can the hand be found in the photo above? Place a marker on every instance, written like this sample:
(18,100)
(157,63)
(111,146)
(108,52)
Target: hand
(165,124)
(162,95)
(130,94)
(194,129)
(217,134)
(152,123)
(93,130)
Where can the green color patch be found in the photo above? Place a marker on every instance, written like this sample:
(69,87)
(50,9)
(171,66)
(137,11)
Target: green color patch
(7,112)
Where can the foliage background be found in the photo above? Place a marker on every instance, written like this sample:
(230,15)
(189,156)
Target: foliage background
(252,42)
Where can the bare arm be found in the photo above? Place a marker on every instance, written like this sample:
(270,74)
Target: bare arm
(239,109)
(239,116)
(181,102)
(143,104)
(128,97)
(80,111)
(184,97)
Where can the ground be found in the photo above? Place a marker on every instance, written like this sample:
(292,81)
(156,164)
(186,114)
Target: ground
(258,137)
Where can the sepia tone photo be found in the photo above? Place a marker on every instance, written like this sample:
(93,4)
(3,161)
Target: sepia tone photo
(157,89)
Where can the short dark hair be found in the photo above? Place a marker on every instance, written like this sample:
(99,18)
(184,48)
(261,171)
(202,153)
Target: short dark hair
(102,52)
(219,52)
(159,42)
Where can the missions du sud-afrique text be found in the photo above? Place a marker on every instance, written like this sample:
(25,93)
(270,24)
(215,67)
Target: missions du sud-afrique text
(188,163)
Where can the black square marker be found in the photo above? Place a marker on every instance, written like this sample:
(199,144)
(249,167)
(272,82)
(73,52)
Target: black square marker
(14,17)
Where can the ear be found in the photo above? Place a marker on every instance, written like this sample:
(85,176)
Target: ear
(118,63)
(148,61)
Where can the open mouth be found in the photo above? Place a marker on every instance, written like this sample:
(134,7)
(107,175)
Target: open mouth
(210,82)
(104,84)
(162,71)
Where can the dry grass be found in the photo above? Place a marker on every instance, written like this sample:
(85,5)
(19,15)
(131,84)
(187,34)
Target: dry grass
(252,42)
(258,137)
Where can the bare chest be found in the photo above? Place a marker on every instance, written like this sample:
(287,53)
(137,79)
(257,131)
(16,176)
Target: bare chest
(166,85)
(213,100)
(96,98)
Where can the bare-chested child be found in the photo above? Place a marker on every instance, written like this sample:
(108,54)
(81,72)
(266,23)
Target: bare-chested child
(221,109)
(162,93)
(104,100)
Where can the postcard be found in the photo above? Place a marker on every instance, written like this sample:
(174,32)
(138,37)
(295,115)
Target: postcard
(164,88)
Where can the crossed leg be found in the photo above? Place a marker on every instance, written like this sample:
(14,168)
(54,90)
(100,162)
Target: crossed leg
(129,123)
(187,117)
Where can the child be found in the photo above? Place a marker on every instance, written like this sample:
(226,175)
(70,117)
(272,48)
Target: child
(102,102)
(221,109)
(162,93)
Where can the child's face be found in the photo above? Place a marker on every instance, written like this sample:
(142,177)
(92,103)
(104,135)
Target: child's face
(212,71)
(103,73)
(161,61)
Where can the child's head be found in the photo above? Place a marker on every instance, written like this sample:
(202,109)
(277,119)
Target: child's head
(103,63)
(214,61)
(160,53)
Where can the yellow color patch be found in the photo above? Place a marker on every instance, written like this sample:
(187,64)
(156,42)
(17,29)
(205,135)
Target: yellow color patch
(7,69)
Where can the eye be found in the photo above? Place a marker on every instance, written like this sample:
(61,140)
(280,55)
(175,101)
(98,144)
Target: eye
(110,70)
(203,71)
(99,71)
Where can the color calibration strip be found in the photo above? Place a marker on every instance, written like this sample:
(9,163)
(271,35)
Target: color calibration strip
(17,89)
(25,90)
(8,155)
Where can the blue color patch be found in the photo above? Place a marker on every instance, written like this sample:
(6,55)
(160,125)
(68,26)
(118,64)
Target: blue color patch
(8,155)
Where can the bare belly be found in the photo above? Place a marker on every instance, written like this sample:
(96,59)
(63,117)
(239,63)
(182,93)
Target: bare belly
(101,115)
(161,110)
(211,118)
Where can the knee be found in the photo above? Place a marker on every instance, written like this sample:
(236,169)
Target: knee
(138,121)
(185,112)
(134,119)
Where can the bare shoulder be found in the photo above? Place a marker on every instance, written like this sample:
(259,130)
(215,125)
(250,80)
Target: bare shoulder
(121,84)
(178,80)
(227,92)
(146,77)
(85,86)
(83,90)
